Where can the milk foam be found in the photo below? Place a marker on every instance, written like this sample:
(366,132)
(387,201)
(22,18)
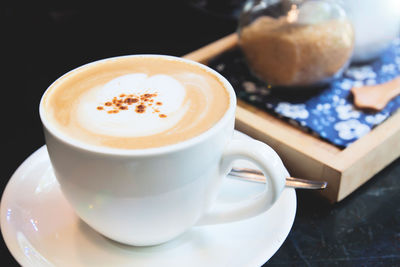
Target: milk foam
(135,102)
(129,123)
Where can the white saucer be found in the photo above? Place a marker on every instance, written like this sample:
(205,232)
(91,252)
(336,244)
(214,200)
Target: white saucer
(41,229)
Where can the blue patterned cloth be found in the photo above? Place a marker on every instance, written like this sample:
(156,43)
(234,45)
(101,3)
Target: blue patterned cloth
(328,113)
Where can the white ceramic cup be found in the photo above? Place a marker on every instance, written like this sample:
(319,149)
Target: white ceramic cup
(149,196)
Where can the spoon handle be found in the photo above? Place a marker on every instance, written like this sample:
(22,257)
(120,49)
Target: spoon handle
(257,176)
(376,96)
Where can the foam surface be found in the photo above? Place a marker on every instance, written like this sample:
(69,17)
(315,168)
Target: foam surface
(129,123)
(135,102)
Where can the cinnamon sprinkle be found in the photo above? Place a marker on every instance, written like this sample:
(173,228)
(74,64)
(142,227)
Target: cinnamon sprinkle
(139,102)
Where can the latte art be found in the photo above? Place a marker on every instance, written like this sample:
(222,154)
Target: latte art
(136,102)
(134,119)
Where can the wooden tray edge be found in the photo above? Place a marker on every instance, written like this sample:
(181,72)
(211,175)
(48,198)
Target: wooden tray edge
(309,156)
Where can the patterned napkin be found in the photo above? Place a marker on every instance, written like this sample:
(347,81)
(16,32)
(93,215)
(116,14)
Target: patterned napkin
(328,112)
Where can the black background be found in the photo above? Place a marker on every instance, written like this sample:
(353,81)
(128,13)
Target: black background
(43,41)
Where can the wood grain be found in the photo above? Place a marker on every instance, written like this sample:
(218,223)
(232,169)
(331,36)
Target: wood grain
(307,156)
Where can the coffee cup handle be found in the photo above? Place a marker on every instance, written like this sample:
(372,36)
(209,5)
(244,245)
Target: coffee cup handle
(269,163)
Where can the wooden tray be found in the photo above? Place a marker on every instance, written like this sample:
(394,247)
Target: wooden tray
(307,156)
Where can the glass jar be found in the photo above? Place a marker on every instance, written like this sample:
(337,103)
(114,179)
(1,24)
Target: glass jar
(295,43)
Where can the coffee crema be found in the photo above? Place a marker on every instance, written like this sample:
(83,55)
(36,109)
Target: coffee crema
(136,102)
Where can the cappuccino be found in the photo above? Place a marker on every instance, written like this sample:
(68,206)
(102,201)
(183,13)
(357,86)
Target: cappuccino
(136,102)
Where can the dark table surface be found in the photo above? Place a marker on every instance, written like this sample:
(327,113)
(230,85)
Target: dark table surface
(43,42)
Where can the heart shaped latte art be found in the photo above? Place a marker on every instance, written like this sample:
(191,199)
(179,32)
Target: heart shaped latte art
(133,105)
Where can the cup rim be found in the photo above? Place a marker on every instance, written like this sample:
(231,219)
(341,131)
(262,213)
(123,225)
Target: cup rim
(77,144)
